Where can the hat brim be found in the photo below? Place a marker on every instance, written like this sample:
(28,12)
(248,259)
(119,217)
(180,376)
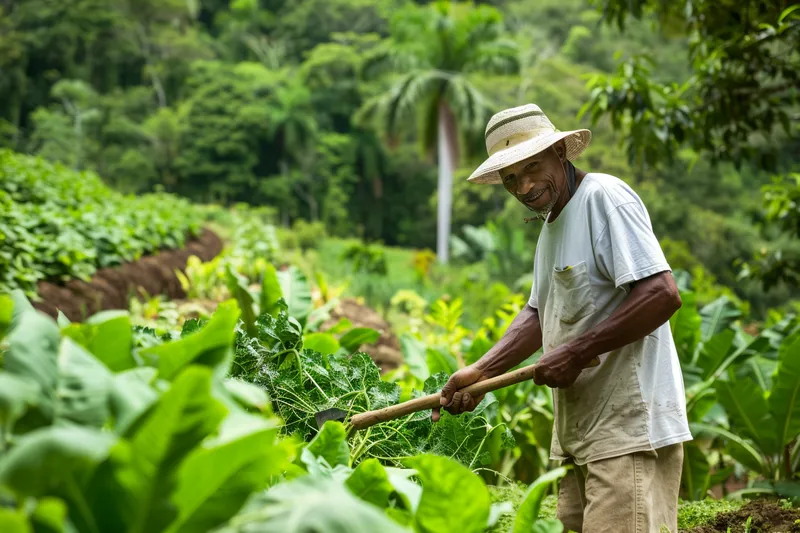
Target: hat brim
(576,142)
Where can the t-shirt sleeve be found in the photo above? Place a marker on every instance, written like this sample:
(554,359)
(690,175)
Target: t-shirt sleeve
(627,249)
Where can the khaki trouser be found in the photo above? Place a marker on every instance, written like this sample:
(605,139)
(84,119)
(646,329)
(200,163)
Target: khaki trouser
(635,493)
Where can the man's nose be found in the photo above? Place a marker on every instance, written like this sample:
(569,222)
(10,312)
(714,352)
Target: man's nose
(524,185)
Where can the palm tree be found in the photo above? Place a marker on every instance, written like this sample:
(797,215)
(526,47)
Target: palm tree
(430,54)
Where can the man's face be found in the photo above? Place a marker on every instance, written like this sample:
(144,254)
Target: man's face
(538,180)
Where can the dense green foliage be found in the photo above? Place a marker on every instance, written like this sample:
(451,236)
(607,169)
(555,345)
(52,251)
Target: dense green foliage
(261,101)
(58,224)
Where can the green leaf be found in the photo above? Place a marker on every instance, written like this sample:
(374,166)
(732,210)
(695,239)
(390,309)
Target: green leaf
(210,346)
(331,444)
(714,351)
(717,317)
(16,394)
(784,399)
(49,516)
(308,504)
(497,510)
(214,483)
(271,291)
(131,395)
(84,386)
(296,292)
(247,394)
(695,477)
(62,320)
(108,336)
(12,521)
(414,355)
(528,511)
(353,339)
(145,476)
(548,525)
(410,493)
(453,498)
(6,312)
(741,450)
(20,306)
(748,410)
(440,362)
(323,343)
(370,482)
(686,327)
(33,355)
(237,285)
(54,461)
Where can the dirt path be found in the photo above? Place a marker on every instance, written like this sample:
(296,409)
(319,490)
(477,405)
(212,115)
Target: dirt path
(111,288)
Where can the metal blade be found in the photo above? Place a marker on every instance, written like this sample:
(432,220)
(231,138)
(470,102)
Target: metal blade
(329,414)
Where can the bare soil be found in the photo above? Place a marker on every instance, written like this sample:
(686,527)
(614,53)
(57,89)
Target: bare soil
(386,351)
(111,288)
(767,517)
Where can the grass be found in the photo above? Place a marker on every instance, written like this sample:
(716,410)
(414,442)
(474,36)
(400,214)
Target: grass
(690,513)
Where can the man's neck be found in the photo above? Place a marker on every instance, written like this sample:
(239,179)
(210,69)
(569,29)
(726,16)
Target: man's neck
(564,197)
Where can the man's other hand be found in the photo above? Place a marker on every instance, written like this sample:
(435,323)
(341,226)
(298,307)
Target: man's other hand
(453,400)
(559,368)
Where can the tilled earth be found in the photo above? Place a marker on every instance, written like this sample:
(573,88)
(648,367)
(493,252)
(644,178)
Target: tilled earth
(765,517)
(111,288)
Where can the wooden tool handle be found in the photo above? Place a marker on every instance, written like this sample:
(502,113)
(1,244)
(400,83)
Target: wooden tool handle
(370,418)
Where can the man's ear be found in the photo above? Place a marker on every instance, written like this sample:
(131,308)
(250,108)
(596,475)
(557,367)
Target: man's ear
(561,150)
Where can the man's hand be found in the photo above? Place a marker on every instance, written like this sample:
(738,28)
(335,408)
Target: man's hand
(454,401)
(559,368)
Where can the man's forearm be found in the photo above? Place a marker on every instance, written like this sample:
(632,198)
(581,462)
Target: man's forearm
(521,340)
(650,303)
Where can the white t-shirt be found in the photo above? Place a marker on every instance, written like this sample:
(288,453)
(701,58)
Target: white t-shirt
(634,400)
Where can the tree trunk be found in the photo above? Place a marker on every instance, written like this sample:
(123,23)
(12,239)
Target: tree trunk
(447,147)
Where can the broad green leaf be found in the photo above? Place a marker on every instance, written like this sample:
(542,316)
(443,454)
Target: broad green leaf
(131,395)
(748,410)
(271,291)
(410,493)
(686,327)
(108,336)
(6,312)
(741,450)
(331,444)
(16,394)
(354,338)
(695,477)
(33,354)
(54,461)
(210,346)
(323,343)
(440,362)
(307,504)
(528,511)
(247,394)
(497,510)
(214,483)
(717,317)
(145,476)
(62,320)
(714,351)
(453,498)
(784,399)
(84,386)
(370,482)
(296,291)
(49,516)
(237,285)
(13,521)
(414,354)
(20,306)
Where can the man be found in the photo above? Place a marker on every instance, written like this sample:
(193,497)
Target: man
(602,290)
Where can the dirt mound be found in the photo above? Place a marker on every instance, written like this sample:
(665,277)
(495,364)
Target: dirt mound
(110,288)
(386,351)
(765,517)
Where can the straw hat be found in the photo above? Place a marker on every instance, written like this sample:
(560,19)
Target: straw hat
(519,133)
